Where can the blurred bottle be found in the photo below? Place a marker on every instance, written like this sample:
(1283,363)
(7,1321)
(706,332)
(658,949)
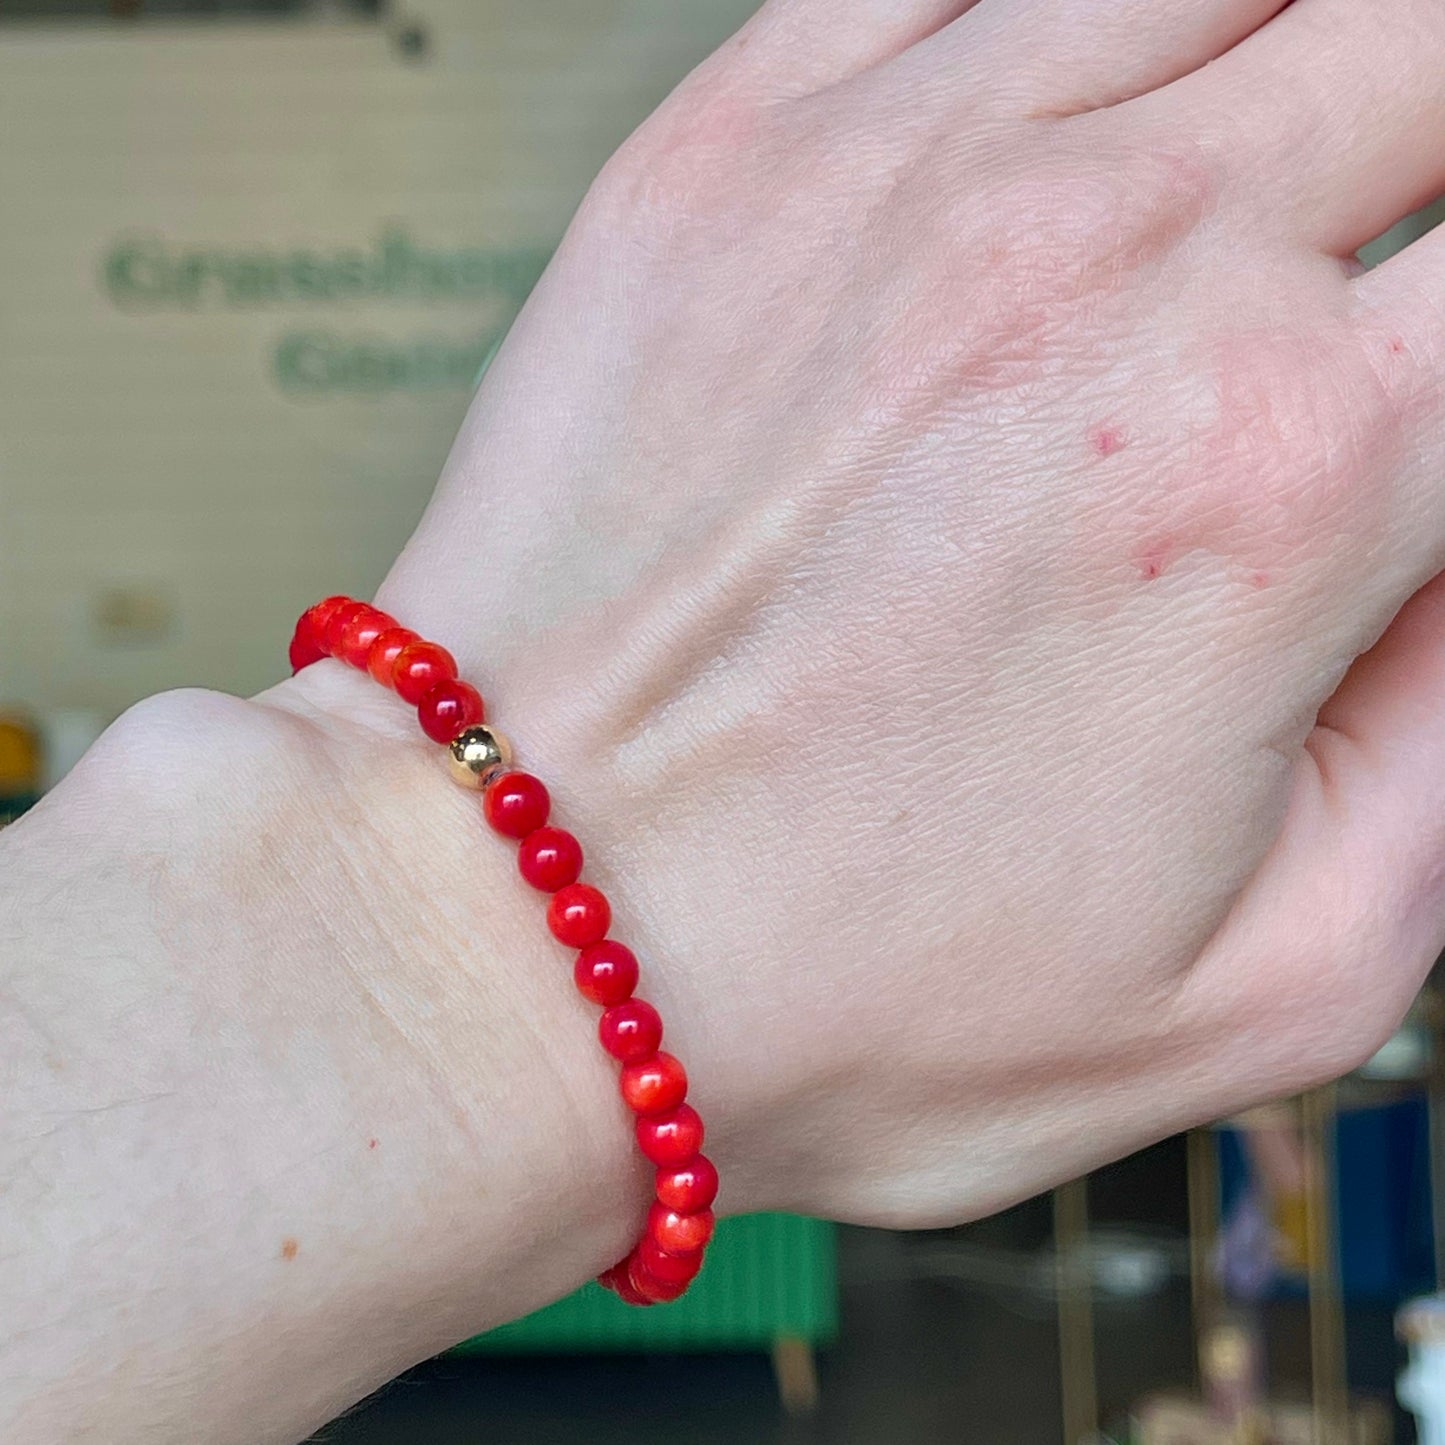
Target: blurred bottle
(22,765)
(1421,1388)
(1231,1359)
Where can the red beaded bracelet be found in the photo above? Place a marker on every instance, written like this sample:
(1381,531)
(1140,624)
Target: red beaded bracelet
(654,1084)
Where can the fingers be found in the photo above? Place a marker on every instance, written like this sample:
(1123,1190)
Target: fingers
(1061,57)
(1335,934)
(1331,115)
(1328,112)
(806,45)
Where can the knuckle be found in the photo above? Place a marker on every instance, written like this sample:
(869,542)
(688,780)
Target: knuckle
(1015,271)
(691,164)
(1086,217)
(1287,455)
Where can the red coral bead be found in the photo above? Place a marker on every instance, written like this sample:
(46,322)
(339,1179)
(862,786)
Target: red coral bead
(631,1031)
(674,1268)
(388,646)
(516,804)
(606,972)
(611,1278)
(322,613)
(625,1287)
(655,1085)
(579,914)
(419,668)
(550,858)
(359,632)
(647,1284)
(673,1139)
(449,708)
(336,622)
(305,649)
(679,1233)
(689,1187)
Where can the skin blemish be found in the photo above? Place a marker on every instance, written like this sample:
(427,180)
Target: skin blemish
(1397,344)
(1154,560)
(1259,579)
(372,1143)
(1106,440)
(289,1248)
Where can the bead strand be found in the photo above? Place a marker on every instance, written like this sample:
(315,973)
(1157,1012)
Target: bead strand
(516,805)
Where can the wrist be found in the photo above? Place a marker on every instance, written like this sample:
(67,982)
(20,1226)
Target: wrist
(302,1043)
(655,830)
(488,1036)
(654,1084)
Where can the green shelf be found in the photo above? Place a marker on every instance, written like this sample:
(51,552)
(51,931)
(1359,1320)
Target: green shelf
(767,1277)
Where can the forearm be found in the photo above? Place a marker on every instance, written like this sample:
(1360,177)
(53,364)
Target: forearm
(276,1125)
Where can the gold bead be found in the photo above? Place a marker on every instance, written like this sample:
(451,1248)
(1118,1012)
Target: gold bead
(477,754)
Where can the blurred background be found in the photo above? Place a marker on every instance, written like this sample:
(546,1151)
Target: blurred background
(253,258)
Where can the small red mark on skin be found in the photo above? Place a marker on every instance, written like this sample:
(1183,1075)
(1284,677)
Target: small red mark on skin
(1106,440)
(372,1143)
(1397,345)
(1259,579)
(289,1248)
(1154,560)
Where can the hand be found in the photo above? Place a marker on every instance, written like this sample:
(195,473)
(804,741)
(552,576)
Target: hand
(923,528)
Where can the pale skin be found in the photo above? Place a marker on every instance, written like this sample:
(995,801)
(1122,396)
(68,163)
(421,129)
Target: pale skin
(957,532)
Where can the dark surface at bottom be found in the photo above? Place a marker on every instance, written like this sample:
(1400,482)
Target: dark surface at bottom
(925,1358)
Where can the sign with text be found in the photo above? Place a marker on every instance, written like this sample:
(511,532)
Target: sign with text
(248,277)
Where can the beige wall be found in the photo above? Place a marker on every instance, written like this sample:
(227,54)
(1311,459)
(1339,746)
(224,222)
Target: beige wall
(183,464)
